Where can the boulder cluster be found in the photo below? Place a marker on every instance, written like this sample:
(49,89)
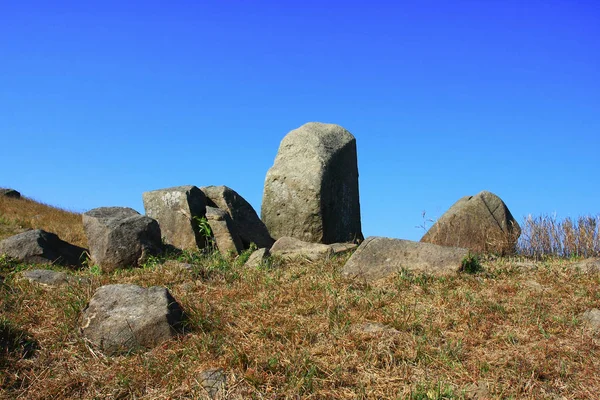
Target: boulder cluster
(310,209)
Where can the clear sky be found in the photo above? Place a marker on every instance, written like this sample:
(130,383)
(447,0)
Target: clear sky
(103,100)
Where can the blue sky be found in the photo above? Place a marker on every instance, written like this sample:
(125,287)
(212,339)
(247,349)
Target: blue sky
(101,101)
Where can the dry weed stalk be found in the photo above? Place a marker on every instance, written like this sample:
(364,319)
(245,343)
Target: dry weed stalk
(545,236)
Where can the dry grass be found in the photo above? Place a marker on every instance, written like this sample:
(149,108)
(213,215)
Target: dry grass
(18,215)
(293,330)
(546,236)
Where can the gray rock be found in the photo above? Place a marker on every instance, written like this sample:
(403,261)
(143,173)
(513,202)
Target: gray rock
(121,318)
(311,191)
(257,258)
(375,328)
(289,247)
(588,265)
(213,381)
(10,193)
(591,318)
(379,257)
(245,220)
(481,223)
(175,209)
(223,230)
(45,277)
(120,237)
(41,247)
(534,286)
(339,248)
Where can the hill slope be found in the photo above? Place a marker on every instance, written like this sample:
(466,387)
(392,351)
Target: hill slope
(19,215)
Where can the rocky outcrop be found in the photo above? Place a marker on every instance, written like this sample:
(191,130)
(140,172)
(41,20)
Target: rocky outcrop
(379,257)
(245,220)
(224,234)
(41,247)
(121,318)
(10,193)
(120,237)
(481,223)
(311,191)
(176,210)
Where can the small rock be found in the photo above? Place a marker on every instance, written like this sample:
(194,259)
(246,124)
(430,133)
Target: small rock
(289,247)
(213,381)
(591,318)
(257,258)
(340,248)
(46,277)
(534,286)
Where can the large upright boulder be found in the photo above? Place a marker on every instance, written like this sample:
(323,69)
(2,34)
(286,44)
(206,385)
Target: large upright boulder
(119,237)
(481,223)
(311,191)
(175,209)
(245,220)
(121,318)
(41,247)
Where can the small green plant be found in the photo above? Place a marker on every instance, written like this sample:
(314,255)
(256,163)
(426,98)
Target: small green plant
(470,264)
(205,232)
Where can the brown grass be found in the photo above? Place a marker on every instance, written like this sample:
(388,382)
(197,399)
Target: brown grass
(547,236)
(293,330)
(18,215)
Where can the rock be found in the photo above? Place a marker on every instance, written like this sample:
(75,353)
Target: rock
(175,209)
(379,257)
(375,328)
(481,223)
(534,286)
(121,318)
(591,318)
(311,191)
(223,230)
(41,247)
(10,193)
(46,277)
(588,265)
(120,237)
(289,247)
(245,220)
(257,258)
(339,248)
(213,381)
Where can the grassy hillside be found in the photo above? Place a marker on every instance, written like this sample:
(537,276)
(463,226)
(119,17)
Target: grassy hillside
(299,330)
(18,215)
